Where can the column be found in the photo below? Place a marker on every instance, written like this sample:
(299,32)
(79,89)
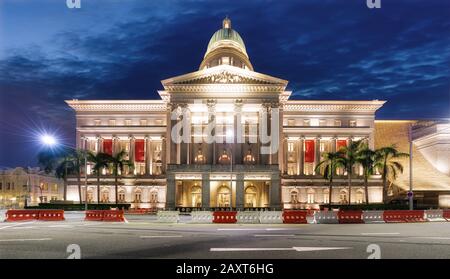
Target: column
(316,153)
(148,155)
(333,144)
(206,194)
(240,191)
(301,156)
(131,154)
(285,156)
(237,132)
(264,158)
(99,144)
(170,193)
(163,154)
(275,192)
(211,147)
(275,132)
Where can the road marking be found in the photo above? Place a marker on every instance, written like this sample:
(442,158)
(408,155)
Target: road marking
(273,235)
(433,237)
(16,225)
(392,233)
(297,249)
(241,229)
(25,239)
(278,229)
(61,226)
(159,236)
(20,228)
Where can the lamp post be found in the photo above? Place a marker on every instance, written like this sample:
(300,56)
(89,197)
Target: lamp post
(51,141)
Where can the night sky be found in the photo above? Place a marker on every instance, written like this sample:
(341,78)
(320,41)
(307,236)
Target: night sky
(115,49)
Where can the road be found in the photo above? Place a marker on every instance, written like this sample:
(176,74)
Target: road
(141,237)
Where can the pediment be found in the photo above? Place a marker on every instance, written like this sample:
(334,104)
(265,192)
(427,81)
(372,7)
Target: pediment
(224,74)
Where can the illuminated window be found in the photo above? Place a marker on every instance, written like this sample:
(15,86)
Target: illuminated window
(55,187)
(196,196)
(326,196)
(352,123)
(310,196)
(105,196)
(223,196)
(154,197)
(343,197)
(249,158)
(224,158)
(290,147)
(250,196)
(200,158)
(360,196)
(121,196)
(90,196)
(137,196)
(294,197)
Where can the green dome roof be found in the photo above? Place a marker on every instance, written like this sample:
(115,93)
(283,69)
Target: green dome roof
(226,37)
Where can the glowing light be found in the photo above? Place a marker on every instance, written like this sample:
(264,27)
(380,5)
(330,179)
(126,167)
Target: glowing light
(48,140)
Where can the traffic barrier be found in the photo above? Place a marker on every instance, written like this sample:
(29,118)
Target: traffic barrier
(51,215)
(373,216)
(224,217)
(202,217)
(21,215)
(294,217)
(271,217)
(350,217)
(113,216)
(94,215)
(168,216)
(2,215)
(434,215)
(446,215)
(248,217)
(140,211)
(403,216)
(326,217)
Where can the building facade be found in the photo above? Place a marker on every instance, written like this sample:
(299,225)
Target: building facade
(264,151)
(28,186)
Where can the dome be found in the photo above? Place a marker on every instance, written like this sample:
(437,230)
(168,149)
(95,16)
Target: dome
(226,47)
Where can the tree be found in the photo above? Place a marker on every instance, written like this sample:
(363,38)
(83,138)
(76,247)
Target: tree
(58,162)
(349,153)
(118,161)
(331,161)
(100,161)
(385,161)
(366,158)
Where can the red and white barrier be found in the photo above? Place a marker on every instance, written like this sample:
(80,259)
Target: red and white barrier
(105,215)
(13,215)
(446,215)
(224,217)
(403,216)
(350,217)
(294,217)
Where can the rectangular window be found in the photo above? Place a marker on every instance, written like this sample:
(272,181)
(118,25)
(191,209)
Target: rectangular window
(112,122)
(352,123)
(322,122)
(290,147)
(97,122)
(127,122)
(337,123)
(143,122)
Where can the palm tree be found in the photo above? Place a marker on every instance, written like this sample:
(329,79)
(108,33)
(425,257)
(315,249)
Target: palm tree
(58,162)
(349,152)
(366,158)
(385,160)
(100,161)
(331,161)
(118,161)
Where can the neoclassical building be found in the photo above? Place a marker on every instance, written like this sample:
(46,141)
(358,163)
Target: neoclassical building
(252,113)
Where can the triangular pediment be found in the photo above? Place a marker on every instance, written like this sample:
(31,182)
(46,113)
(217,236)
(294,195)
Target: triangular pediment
(224,74)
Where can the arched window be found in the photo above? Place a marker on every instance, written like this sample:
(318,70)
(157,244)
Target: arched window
(90,196)
(249,158)
(310,195)
(137,196)
(121,195)
(343,197)
(196,195)
(154,196)
(200,158)
(105,196)
(223,196)
(224,158)
(360,196)
(250,196)
(294,196)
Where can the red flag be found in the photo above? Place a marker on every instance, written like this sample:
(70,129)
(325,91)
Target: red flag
(107,146)
(309,151)
(340,144)
(139,150)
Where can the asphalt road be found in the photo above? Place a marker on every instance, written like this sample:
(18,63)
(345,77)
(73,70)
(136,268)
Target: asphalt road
(141,237)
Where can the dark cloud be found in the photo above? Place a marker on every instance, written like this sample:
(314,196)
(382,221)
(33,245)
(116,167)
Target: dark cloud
(326,49)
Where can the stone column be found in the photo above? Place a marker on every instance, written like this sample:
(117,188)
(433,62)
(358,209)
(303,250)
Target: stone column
(237,132)
(211,147)
(170,193)
(333,144)
(301,156)
(163,154)
(148,155)
(265,110)
(275,132)
(316,153)
(206,194)
(275,192)
(131,154)
(239,191)
(285,156)
(99,144)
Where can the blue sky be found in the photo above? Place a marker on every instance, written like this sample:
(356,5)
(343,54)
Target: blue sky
(327,49)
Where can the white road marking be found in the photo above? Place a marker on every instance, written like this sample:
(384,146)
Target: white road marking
(388,233)
(61,226)
(16,225)
(433,237)
(24,239)
(273,235)
(241,229)
(297,249)
(159,236)
(278,229)
(21,228)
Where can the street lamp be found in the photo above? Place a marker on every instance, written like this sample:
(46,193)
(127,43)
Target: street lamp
(51,141)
